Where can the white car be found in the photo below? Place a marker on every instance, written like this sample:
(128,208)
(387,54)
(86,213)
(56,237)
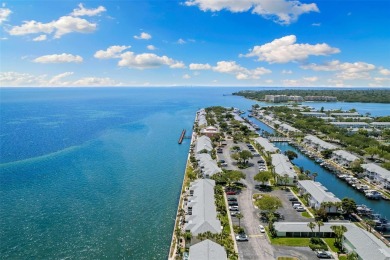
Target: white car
(262,229)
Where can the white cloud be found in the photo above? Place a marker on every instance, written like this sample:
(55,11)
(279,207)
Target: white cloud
(4,13)
(281,11)
(82,11)
(181,41)
(111,52)
(147,61)
(316,24)
(285,50)
(59,58)
(10,79)
(143,36)
(151,47)
(231,67)
(305,81)
(199,66)
(186,76)
(311,79)
(385,72)
(269,81)
(40,38)
(60,27)
(346,70)
(287,72)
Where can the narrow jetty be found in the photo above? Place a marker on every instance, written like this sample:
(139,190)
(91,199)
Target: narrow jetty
(182,136)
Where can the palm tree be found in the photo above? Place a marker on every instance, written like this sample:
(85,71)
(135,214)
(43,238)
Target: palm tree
(319,224)
(352,256)
(306,198)
(314,176)
(311,225)
(239,216)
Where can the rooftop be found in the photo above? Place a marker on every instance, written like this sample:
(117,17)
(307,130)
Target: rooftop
(321,143)
(266,144)
(318,192)
(372,167)
(207,250)
(283,165)
(346,155)
(203,142)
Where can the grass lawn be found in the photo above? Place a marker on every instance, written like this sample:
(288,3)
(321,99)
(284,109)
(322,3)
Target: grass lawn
(306,214)
(330,242)
(287,258)
(290,241)
(343,257)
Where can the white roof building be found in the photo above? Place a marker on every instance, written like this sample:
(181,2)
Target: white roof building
(314,114)
(350,124)
(266,144)
(201,208)
(317,143)
(207,250)
(208,166)
(202,117)
(377,173)
(283,166)
(380,124)
(288,128)
(318,194)
(345,155)
(203,142)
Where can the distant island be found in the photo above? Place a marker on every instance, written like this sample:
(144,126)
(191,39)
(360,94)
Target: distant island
(331,95)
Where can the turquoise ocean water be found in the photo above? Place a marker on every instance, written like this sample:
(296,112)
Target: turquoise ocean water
(95,173)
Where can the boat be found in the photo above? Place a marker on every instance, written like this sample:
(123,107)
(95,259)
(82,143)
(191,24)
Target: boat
(363,210)
(373,194)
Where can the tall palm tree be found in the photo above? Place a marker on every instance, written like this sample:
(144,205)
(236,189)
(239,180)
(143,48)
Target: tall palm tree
(311,225)
(239,216)
(319,225)
(314,176)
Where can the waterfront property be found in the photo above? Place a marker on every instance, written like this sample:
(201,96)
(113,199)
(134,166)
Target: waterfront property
(267,145)
(345,115)
(283,167)
(318,144)
(207,165)
(314,114)
(201,213)
(318,195)
(209,131)
(201,116)
(289,129)
(207,250)
(357,240)
(377,174)
(344,158)
(203,143)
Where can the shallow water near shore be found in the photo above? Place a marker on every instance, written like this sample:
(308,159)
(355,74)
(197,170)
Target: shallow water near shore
(95,173)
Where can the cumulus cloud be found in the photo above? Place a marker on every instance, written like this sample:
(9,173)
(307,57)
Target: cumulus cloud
(385,72)
(199,66)
(286,49)
(60,27)
(151,47)
(181,41)
(59,58)
(40,38)
(346,70)
(311,79)
(231,67)
(316,24)
(11,79)
(186,76)
(280,11)
(287,72)
(147,61)
(143,36)
(305,81)
(82,11)
(4,13)
(111,52)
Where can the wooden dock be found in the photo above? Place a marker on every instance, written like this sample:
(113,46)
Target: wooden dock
(182,136)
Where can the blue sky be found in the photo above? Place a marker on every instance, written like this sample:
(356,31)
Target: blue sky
(284,43)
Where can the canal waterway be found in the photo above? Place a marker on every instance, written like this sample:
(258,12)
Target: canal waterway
(335,185)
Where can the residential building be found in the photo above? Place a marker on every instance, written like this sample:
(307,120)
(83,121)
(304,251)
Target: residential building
(289,129)
(317,144)
(276,98)
(207,165)
(207,250)
(201,212)
(201,116)
(283,167)
(314,114)
(360,241)
(328,118)
(318,195)
(266,144)
(209,131)
(380,125)
(377,174)
(321,98)
(203,143)
(359,125)
(345,115)
(344,158)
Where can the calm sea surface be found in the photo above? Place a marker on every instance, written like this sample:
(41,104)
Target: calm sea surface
(96,172)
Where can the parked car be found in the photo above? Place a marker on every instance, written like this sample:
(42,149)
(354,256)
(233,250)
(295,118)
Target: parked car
(224,164)
(296,203)
(295,206)
(300,209)
(232,199)
(230,192)
(221,161)
(324,254)
(234,213)
(241,237)
(233,203)
(233,208)
(260,161)
(219,150)
(292,198)
(262,229)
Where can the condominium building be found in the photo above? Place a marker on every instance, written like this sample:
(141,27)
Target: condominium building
(283,167)
(344,158)
(377,174)
(318,195)
(317,144)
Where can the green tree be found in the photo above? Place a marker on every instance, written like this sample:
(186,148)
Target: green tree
(314,175)
(326,153)
(311,225)
(245,155)
(319,225)
(291,154)
(268,203)
(233,176)
(348,205)
(339,232)
(263,177)
(239,216)
(372,151)
(352,256)
(284,180)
